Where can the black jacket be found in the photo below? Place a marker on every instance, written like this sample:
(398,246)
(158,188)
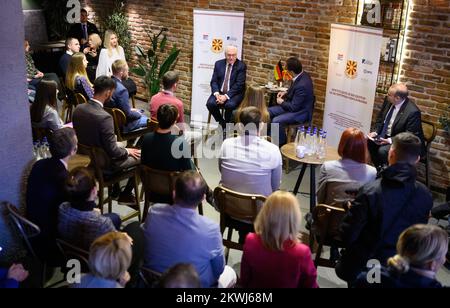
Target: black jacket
(45,192)
(389,278)
(381,211)
(76,31)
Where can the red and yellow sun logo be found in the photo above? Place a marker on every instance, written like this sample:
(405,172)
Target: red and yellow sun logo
(217,45)
(351,69)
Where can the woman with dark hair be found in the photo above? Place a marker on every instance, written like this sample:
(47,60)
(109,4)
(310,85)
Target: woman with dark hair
(79,220)
(44,112)
(351,168)
(421,251)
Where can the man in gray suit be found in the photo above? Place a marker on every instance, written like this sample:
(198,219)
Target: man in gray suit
(95,127)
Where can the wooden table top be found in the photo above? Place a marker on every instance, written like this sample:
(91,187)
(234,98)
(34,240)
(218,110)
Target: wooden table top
(288,151)
(78,160)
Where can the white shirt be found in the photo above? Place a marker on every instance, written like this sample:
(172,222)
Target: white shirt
(394,115)
(250,164)
(105,61)
(64,163)
(97,101)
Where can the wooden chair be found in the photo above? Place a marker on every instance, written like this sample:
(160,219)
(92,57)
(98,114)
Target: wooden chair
(291,131)
(429,133)
(133,101)
(158,187)
(325,230)
(101,162)
(80,99)
(235,206)
(335,192)
(120,121)
(71,252)
(149,278)
(70,104)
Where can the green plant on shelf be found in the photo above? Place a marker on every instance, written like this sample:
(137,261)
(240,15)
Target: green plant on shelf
(149,67)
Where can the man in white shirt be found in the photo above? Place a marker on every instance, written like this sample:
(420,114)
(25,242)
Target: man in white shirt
(250,164)
(398,114)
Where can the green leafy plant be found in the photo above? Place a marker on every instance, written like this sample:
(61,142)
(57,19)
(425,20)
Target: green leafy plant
(149,67)
(445,121)
(118,22)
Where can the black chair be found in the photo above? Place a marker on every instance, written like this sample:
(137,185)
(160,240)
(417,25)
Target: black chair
(149,278)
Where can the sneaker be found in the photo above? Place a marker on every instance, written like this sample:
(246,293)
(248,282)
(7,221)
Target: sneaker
(127,199)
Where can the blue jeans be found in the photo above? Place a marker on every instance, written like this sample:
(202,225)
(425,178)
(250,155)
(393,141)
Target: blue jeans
(141,122)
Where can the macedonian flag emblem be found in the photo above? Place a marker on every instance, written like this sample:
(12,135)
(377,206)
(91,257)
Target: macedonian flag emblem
(351,69)
(217,45)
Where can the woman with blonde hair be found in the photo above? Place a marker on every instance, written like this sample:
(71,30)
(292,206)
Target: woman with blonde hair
(76,77)
(109,259)
(421,252)
(111,52)
(92,53)
(273,255)
(254,97)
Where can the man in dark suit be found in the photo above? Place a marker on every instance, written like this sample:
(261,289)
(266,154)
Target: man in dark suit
(72,46)
(45,192)
(295,105)
(83,29)
(227,86)
(383,209)
(95,127)
(120,98)
(398,114)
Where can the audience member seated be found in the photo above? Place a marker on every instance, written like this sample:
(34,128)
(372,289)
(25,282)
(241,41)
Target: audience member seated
(254,97)
(83,29)
(383,209)
(72,46)
(227,86)
(109,259)
(178,234)
(45,192)
(158,146)
(34,76)
(273,256)
(295,105)
(398,114)
(167,96)
(121,99)
(44,113)
(180,276)
(95,127)
(10,277)
(76,78)
(352,167)
(79,220)
(421,251)
(92,52)
(250,164)
(112,52)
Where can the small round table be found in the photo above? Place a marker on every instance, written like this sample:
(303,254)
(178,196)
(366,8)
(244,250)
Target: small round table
(288,151)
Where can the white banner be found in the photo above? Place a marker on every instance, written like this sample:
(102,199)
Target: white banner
(352,79)
(213,31)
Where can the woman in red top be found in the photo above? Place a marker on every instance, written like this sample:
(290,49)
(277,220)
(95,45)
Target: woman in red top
(273,256)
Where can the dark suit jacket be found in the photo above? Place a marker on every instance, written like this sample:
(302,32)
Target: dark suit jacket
(300,96)
(380,212)
(408,119)
(120,100)
(95,127)
(45,192)
(63,64)
(76,31)
(237,79)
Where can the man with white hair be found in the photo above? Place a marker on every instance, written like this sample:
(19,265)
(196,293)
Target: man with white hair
(227,86)
(397,115)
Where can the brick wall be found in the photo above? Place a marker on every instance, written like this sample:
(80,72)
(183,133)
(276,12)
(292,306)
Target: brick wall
(277,29)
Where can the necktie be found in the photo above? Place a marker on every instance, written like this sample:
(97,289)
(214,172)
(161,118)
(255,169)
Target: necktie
(227,79)
(85,34)
(386,122)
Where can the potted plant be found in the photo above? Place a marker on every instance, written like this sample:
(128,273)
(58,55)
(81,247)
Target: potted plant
(149,67)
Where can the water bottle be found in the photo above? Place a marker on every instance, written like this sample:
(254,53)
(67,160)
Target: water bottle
(36,153)
(322,148)
(300,142)
(46,148)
